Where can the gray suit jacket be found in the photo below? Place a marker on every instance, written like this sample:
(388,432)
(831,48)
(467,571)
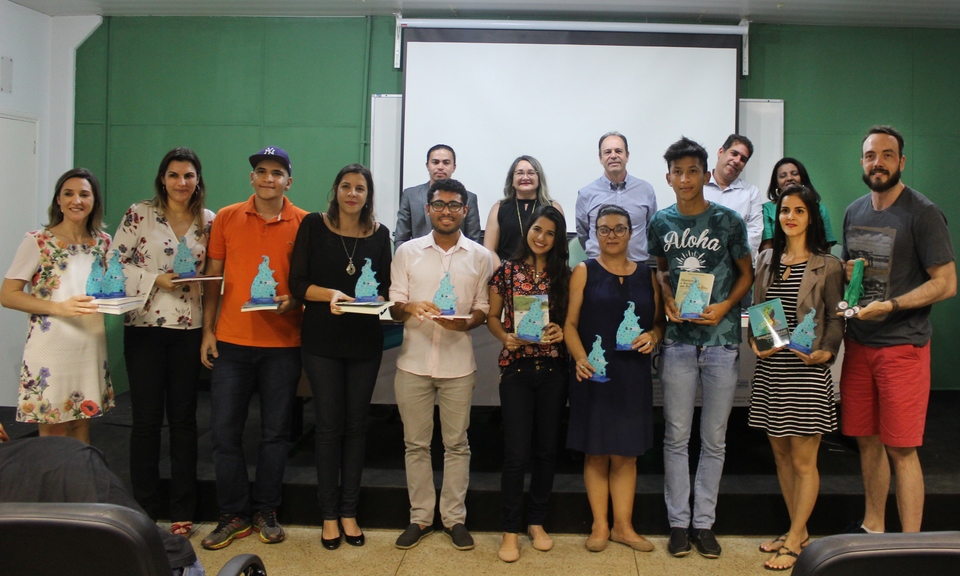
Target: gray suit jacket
(412,221)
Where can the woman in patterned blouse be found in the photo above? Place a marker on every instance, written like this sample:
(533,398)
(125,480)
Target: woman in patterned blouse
(161,341)
(533,381)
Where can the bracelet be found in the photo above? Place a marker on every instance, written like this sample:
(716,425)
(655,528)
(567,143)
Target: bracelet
(896,305)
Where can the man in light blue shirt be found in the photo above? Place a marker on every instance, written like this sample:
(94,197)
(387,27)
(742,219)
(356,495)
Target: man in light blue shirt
(616,187)
(728,189)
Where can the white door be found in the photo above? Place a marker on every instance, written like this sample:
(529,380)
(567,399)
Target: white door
(18,195)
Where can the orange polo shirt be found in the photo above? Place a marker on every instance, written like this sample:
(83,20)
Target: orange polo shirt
(241,237)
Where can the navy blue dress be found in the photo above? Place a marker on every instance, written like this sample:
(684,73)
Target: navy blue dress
(613,417)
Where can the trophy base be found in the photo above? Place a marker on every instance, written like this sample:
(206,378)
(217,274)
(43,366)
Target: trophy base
(625,348)
(800,347)
(366,299)
(269,300)
(111,295)
(598,378)
(448,311)
(690,315)
(190,274)
(533,338)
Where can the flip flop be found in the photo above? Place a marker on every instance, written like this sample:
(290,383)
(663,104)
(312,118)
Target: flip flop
(184,529)
(783,551)
(779,539)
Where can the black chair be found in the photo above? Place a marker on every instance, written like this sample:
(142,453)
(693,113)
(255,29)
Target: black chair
(90,539)
(923,553)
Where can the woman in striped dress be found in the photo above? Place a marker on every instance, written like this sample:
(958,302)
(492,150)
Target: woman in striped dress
(792,398)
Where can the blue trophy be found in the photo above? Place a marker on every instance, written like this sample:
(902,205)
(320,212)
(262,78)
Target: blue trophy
(599,363)
(184,265)
(694,302)
(530,327)
(264,288)
(802,337)
(629,328)
(95,279)
(367,285)
(445,299)
(114,280)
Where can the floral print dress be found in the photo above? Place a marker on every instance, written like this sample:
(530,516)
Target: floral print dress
(148,247)
(64,375)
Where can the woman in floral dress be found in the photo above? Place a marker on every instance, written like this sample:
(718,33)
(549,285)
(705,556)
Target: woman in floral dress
(64,378)
(161,341)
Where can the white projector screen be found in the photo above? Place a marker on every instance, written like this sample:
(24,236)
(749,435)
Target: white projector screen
(552,99)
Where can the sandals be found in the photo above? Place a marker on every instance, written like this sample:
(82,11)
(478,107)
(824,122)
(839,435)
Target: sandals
(780,541)
(184,529)
(783,551)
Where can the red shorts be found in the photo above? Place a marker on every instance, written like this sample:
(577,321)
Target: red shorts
(885,391)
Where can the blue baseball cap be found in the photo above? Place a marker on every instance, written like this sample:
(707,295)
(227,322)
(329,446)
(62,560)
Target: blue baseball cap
(272,153)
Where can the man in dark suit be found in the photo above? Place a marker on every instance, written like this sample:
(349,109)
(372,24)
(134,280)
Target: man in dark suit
(412,221)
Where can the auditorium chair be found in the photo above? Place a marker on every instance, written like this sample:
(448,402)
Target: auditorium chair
(90,539)
(923,553)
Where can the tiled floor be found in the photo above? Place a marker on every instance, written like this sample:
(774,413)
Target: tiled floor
(301,554)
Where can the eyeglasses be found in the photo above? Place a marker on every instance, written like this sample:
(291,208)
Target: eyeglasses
(528,173)
(619,231)
(439,205)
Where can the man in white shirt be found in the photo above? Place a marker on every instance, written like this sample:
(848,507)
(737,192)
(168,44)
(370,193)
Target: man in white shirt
(436,361)
(728,189)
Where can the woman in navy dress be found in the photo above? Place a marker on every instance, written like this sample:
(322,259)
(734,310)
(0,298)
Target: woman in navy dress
(611,421)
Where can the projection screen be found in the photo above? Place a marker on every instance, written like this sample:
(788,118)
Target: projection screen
(494,95)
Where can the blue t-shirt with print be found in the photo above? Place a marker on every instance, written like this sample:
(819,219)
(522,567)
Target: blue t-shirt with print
(710,242)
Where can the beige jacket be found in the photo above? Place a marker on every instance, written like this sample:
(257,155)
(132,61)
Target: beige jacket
(821,288)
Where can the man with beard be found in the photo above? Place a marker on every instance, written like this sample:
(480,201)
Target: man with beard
(903,239)
(429,276)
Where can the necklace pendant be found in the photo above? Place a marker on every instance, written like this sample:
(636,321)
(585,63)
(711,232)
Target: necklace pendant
(351,269)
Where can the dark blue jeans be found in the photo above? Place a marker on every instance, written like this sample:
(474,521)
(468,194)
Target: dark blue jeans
(533,394)
(164,371)
(342,389)
(240,371)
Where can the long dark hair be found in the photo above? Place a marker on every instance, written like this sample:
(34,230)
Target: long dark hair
(95,219)
(366,213)
(815,234)
(773,190)
(199,196)
(558,260)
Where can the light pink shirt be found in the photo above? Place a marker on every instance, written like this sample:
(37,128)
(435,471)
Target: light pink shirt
(418,267)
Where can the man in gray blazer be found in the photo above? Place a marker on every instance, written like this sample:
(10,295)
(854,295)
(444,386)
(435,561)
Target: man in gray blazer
(412,221)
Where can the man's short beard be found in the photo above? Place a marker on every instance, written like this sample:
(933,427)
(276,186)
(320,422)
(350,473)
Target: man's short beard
(882,186)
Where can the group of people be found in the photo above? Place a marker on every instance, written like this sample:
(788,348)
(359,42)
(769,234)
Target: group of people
(602,322)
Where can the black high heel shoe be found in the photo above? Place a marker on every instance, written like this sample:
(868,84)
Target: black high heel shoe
(332,543)
(353,540)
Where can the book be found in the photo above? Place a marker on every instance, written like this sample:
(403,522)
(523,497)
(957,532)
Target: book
(378,308)
(769,325)
(693,293)
(530,316)
(198,278)
(119,305)
(254,307)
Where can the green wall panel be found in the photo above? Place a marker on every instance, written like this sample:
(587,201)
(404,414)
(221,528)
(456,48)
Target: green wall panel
(186,70)
(90,105)
(936,83)
(313,72)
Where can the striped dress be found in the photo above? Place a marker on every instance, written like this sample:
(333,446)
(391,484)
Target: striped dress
(790,398)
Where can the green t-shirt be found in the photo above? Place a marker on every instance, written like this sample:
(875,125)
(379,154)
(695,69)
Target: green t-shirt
(710,242)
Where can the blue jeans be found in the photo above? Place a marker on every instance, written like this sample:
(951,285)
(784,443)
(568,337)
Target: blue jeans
(685,368)
(238,372)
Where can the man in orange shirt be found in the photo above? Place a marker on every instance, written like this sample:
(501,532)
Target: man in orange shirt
(247,352)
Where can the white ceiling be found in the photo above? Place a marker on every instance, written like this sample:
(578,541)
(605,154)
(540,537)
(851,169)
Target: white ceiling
(910,13)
